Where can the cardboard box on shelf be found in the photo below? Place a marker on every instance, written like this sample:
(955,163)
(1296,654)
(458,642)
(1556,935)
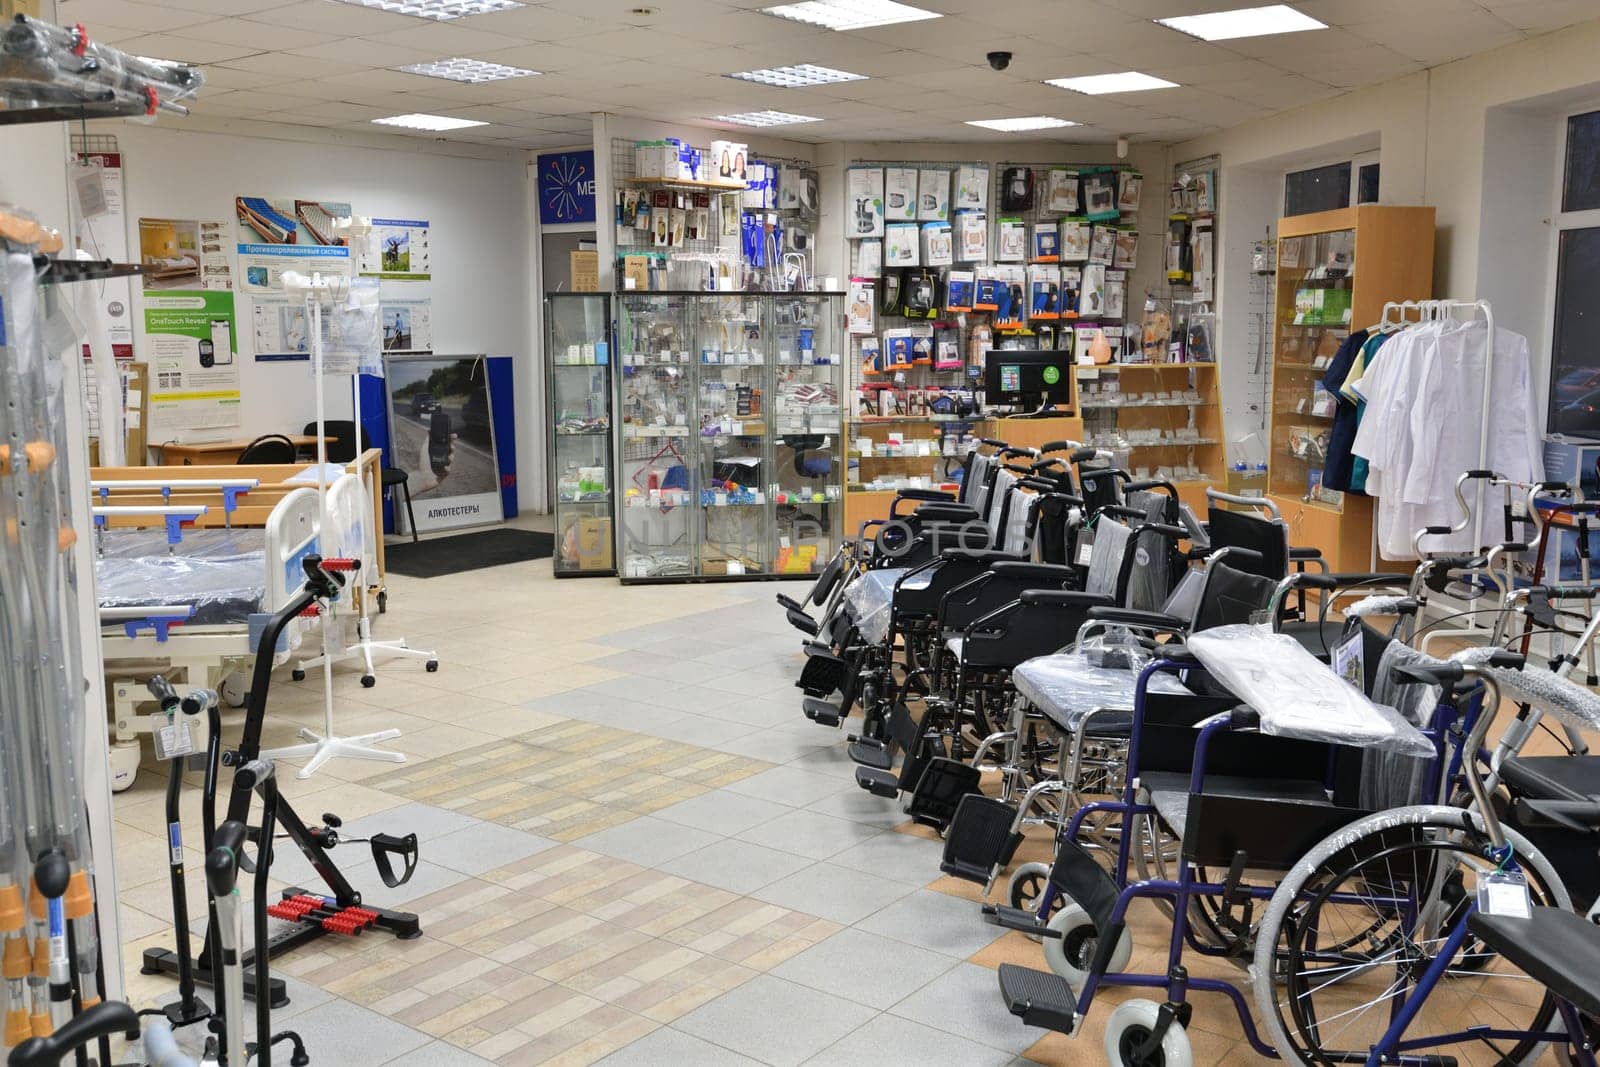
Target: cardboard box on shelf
(594,542)
(585,269)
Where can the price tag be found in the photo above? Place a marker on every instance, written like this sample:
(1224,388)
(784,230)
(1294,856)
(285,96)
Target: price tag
(171,736)
(1085,551)
(1505,893)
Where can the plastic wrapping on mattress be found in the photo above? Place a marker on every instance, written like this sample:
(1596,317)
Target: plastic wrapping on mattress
(1566,700)
(1393,779)
(870,599)
(198,543)
(1296,694)
(224,590)
(1066,686)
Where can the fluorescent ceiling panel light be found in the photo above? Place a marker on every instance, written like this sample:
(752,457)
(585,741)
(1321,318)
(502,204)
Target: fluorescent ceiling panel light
(1129,81)
(1033,122)
(798,76)
(1243,22)
(471,71)
(438,10)
(766,118)
(850,14)
(428,122)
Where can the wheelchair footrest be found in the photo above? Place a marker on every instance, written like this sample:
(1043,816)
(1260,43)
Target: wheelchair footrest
(980,838)
(882,783)
(1017,919)
(871,752)
(823,673)
(1038,998)
(789,603)
(823,712)
(803,622)
(940,789)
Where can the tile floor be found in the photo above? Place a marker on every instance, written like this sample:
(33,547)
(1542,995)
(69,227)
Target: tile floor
(635,850)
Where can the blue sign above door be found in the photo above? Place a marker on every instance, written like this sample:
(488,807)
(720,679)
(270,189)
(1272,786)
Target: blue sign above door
(566,187)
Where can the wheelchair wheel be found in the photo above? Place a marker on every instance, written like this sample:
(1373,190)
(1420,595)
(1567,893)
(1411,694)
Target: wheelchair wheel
(1026,885)
(1131,1025)
(1356,923)
(1072,954)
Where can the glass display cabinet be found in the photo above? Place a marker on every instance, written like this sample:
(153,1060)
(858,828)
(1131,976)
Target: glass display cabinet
(578,355)
(729,434)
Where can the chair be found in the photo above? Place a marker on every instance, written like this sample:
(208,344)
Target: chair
(268,448)
(343,449)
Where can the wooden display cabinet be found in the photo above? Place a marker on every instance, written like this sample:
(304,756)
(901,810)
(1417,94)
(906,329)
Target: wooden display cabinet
(1336,270)
(1189,407)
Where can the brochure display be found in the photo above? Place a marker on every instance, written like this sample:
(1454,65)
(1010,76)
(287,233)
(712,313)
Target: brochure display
(729,433)
(578,351)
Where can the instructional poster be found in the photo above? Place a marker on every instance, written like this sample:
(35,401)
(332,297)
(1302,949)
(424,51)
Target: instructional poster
(193,355)
(185,254)
(278,329)
(278,235)
(442,435)
(397,250)
(98,181)
(407,326)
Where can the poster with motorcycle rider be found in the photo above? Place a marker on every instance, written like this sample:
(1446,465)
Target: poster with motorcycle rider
(442,435)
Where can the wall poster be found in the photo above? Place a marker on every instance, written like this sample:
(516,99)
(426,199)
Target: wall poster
(100,206)
(398,250)
(407,326)
(185,254)
(278,235)
(441,433)
(192,348)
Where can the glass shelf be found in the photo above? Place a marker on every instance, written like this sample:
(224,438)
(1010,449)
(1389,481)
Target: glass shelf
(578,351)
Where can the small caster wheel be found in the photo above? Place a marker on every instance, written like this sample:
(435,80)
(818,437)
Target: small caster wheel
(1027,883)
(383,603)
(432,666)
(298,675)
(1131,1025)
(1072,954)
(368,681)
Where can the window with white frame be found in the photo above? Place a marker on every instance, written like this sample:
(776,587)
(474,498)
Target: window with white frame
(1575,325)
(1331,186)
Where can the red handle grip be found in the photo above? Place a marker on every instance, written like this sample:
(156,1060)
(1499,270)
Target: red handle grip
(341,564)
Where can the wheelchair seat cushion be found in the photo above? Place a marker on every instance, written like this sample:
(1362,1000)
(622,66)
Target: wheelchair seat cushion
(1317,638)
(1168,792)
(1560,949)
(1066,686)
(1553,777)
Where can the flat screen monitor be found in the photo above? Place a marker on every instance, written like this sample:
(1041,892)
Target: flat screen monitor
(1029,378)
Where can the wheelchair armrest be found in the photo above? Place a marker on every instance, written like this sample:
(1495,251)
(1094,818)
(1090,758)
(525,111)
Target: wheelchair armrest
(1145,620)
(1062,598)
(979,555)
(1171,533)
(1152,484)
(924,494)
(1049,572)
(1304,553)
(1330,582)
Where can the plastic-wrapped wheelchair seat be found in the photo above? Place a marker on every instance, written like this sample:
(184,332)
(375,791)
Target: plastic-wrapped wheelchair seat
(870,599)
(1297,695)
(1065,687)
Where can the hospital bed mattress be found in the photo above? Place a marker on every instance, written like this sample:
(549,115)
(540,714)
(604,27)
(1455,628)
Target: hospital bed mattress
(221,573)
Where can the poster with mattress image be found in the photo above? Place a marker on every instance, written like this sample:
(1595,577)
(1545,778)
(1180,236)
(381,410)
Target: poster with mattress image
(277,235)
(185,254)
(441,434)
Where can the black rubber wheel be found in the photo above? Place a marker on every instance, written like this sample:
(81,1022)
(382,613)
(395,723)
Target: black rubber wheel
(1131,1039)
(383,602)
(298,675)
(368,681)
(432,666)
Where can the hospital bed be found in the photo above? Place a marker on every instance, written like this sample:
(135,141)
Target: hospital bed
(178,582)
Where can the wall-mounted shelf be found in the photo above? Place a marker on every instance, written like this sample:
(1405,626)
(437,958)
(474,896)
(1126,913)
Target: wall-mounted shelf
(686,183)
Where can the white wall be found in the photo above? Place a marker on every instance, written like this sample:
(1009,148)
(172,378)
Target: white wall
(475,199)
(33,171)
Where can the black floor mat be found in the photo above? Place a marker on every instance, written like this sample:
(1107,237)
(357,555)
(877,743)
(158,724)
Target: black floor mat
(467,552)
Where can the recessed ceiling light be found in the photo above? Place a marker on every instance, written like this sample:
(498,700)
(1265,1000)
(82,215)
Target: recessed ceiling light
(438,10)
(471,71)
(801,74)
(1033,122)
(428,122)
(766,118)
(1129,81)
(850,14)
(1243,22)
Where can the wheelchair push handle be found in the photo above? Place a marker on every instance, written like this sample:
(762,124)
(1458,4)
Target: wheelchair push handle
(1059,446)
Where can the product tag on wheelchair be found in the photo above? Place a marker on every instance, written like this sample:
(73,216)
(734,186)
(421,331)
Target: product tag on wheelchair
(1085,552)
(1505,893)
(171,736)
(1348,661)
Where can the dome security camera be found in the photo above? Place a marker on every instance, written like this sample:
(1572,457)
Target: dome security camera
(999,60)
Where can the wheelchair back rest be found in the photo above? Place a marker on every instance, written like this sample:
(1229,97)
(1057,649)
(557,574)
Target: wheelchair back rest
(1230,595)
(975,477)
(1252,530)
(1053,528)
(1111,541)
(1101,487)
(1022,512)
(1000,501)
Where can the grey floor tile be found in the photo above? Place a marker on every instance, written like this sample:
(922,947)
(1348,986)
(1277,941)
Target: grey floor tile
(789,785)
(833,761)
(866,968)
(966,1001)
(722,812)
(484,847)
(695,699)
(438,1054)
(858,805)
(758,711)
(838,893)
(810,834)
(903,857)
(629,685)
(740,681)
(776,746)
(934,921)
(424,820)
(667,1047)
(737,866)
(774,1021)
(647,841)
(891,1039)
(700,730)
(340,1032)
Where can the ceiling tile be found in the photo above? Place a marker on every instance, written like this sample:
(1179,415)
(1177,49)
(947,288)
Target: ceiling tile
(323,16)
(126,14)
(445,38)
(181,49)
(1541,16)
(288,65)
(356,52)
(236,31)
(218,8)
(536,23)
